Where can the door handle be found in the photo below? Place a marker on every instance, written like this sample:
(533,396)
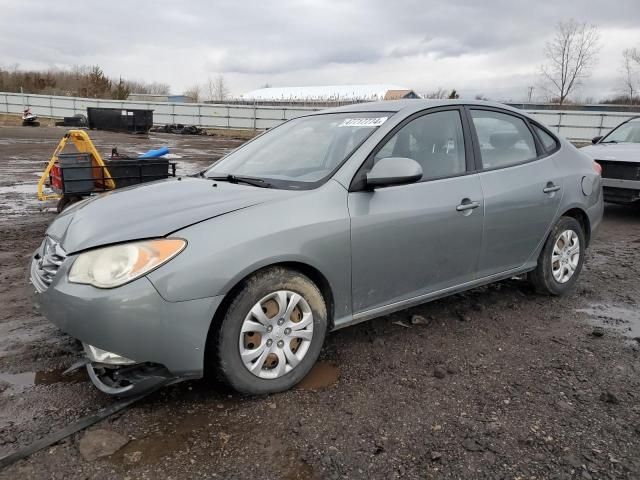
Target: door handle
(467,205)
(551,187)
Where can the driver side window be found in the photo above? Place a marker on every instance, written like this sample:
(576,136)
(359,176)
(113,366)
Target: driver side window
(434,140)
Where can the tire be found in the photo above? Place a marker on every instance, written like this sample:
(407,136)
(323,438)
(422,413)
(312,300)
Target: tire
(230,339)
(542,278)
(66,201)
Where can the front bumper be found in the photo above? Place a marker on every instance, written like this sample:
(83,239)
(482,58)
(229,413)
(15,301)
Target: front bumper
(132,321)
(617,190)
(621,183)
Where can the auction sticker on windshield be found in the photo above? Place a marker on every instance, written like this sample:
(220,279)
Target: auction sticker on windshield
(363,122)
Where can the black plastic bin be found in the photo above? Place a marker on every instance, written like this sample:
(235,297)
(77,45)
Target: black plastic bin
(77,172)
(134,171)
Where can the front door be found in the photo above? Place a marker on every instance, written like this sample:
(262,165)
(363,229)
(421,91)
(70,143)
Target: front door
(410,240)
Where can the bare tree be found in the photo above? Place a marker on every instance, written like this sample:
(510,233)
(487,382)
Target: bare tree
(193,92)
(530,90)
(79,81)
(571,55)
(217,89)
(437,94)
(157,88)
(629,70)
(120,90)
(96,84)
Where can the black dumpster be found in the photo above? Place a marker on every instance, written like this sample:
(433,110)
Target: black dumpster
(133,171)
(120,120)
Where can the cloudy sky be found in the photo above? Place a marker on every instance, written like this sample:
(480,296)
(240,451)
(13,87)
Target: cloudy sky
(493,47)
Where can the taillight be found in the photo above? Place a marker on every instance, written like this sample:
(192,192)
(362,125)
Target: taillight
(597,167)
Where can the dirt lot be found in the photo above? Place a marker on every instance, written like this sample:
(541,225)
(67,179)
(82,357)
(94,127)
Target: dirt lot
(496,383)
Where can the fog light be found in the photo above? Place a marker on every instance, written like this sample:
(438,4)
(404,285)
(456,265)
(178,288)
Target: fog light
(98,355)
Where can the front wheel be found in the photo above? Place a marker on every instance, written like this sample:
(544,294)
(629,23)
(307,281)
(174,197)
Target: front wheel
(272,332)
(561,258)
(67,201)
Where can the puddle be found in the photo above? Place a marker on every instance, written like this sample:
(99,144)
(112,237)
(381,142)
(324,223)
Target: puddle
(20,188)
(322,375)
(175,436)
(625,321)
(149,450)
(21,199)
(26,379)
(180,434)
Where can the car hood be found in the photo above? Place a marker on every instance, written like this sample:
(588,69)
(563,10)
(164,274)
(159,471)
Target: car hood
(152,210)
(621,152)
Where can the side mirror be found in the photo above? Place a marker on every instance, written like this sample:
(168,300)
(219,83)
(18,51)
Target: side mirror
(394,171)
(595,140)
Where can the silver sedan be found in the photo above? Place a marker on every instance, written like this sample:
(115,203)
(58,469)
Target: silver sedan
(328,220)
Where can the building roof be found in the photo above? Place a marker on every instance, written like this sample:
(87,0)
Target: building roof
(330,93)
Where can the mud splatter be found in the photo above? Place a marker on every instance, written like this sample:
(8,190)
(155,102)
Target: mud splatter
(322,375)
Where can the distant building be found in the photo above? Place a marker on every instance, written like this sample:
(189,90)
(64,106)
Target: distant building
(149,97)
(328,94)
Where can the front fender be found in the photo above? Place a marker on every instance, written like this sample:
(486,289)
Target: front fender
(313,230)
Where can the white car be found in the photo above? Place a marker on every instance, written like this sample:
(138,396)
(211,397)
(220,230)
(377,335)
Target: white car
(619,155)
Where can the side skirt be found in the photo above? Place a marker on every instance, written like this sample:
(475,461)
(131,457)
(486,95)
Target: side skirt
(427,297)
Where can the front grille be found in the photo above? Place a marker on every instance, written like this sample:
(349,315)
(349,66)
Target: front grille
(45,263)
(620,170)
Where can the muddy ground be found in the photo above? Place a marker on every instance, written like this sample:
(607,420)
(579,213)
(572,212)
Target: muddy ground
(497,383)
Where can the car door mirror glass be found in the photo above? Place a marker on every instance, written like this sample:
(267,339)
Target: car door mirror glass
(595,140)
(394,171)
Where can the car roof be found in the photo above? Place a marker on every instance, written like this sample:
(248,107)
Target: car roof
(409,106)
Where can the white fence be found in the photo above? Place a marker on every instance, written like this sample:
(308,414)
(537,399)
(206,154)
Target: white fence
(572,124)
(201,114)
(580,125)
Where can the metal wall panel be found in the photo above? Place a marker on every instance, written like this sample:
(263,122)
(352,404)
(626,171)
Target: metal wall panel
(574,125)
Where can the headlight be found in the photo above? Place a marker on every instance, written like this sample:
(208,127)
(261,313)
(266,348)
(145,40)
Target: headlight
(110,267)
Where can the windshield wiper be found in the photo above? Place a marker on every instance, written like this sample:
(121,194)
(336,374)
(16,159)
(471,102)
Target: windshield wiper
(610,141)
(256,182)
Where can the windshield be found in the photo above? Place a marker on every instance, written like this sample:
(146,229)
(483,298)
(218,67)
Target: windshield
(301,153)
(627,132)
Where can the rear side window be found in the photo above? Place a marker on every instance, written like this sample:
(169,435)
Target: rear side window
(549,143)
(505,140)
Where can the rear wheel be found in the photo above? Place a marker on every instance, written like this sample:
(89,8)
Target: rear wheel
(272,332)
(561,258)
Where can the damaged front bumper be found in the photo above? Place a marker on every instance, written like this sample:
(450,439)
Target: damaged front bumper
(134,338)
(120,376)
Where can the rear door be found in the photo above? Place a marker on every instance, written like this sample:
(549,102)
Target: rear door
(410,240)
(522,187)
